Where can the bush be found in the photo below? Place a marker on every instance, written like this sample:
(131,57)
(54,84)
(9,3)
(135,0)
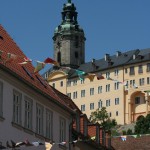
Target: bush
(129,132)
(124,132)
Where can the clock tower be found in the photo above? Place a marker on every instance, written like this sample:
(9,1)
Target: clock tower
(69,40)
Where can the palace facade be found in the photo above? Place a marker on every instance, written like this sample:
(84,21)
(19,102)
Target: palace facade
(120,82)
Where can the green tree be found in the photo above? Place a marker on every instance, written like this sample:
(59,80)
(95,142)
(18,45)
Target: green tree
(143,125)
(101,116)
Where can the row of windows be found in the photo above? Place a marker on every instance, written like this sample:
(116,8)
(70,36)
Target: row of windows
(140,69)
(116,73)
(100,104)
(116,87)
(137,100)
(23,111)
(141,82)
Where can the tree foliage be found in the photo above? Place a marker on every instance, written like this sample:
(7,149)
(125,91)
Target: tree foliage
(143,125)
(101,116)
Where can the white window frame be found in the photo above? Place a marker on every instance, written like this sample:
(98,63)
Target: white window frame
(91,91)
(91,106)
(39,118)
(68,83)
(28,116)
(107,102)
(117,101)
(82,93)
(107,75)
(83,107)
(116,72)
(99,89)
(62,129)
(49,124)
(100,104)
(141,81)
(75,94)
(107,87)
(116,84)
(17,100)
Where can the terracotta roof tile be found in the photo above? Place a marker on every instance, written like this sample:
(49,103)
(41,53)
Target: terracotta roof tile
(7,45)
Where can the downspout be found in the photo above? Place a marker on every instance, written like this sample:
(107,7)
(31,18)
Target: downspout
(124,108)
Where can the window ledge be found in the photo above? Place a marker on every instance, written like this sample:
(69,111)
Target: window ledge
(63,147)
(28,131)
(17,125)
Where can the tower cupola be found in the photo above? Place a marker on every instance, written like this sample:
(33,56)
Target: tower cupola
(69,38)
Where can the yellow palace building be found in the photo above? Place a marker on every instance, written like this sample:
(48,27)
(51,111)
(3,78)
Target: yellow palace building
(120,82)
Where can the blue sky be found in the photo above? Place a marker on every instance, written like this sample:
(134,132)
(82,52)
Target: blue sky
(109,25)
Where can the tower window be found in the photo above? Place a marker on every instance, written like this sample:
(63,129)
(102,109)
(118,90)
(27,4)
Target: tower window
(76,41)
(59,57)
(76,55)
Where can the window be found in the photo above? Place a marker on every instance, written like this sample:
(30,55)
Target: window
(62,129)
(83,107)
(1,99)
(91,91)
(116,85)
(107,102)
(28,113)
(137,100)
(59,55)
(53,85)
(116,72)
(76,41)
(74,95)
(76,54)
(116,101)
(127,85)
(140,70)
(107,74)
(110,114)
(132,82)
(132,72)
(46,75)
(82,93)
(100,104)
(68,83)
(61,83)
(148,80)
(17,107)
(49,124)
(148,67)
(117,113)
(91,106)
(141,81)
(74,82)
(39,119)
(99,89)
(107,87)
(126,70)
(69,95)
(82,81)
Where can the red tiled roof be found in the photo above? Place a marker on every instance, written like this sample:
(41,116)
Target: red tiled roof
(7,45)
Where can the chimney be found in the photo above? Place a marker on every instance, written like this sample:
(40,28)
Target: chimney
(106,57)
(118,53)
